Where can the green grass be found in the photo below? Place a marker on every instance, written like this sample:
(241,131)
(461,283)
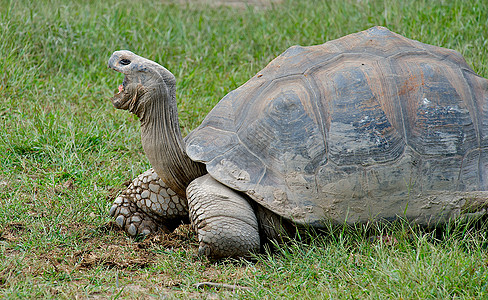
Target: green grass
(65,151)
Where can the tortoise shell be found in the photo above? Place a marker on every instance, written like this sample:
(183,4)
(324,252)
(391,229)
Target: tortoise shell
(371,125)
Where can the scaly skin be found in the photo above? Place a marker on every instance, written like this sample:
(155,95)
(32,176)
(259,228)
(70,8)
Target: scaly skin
(148,205)
(223,219)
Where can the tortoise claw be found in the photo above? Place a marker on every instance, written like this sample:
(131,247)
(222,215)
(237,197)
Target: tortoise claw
(131,219)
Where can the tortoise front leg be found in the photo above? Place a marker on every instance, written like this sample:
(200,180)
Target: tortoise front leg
(224,220)
(147,205)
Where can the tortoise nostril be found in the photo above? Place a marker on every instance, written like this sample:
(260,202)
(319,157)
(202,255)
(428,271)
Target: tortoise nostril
(125,62)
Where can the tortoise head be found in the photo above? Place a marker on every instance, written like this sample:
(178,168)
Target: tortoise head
(144,83)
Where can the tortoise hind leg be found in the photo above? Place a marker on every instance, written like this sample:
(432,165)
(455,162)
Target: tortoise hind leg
(148,205)
(225,222)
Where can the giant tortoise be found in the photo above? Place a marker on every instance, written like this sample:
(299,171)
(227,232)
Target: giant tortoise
(372,126)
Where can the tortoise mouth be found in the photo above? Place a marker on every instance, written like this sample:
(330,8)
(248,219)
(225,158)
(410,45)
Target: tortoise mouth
(121,87)
(120,98)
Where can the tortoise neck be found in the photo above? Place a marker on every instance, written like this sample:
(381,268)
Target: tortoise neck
(163,143)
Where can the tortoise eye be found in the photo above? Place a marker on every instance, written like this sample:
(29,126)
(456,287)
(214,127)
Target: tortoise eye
(124,62)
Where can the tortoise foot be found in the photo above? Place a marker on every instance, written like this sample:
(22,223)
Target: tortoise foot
(152,196)
(223,220)
(147,205)
(131,219)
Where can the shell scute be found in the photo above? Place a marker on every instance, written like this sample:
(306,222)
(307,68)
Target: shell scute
(371,125)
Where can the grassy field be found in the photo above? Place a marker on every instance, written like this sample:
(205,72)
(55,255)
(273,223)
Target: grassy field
(65,152)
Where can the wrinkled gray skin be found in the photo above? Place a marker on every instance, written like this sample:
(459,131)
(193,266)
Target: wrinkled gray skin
(225,221)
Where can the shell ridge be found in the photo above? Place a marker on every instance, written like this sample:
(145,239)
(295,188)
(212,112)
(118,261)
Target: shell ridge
(320,112)
(219,158)
(253,97)
(220,129)
(444,54)
(400,105)
(477,112)
(460,173)
(472,107)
